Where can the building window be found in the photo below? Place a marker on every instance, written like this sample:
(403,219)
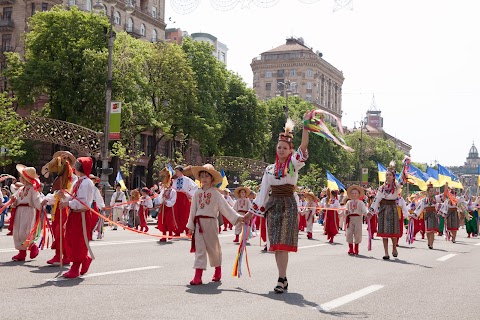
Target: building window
(117,18)
(129,25)
(308,97)
(44,6)
(280,73)
(268,74)
(88,5)
(293,73)
(309,85)
(142,29)
(268,86)
(7,13)
(72,2)
(174,39)
(6,42)
(309,73)
(154,12)
(154,35)
(33,9)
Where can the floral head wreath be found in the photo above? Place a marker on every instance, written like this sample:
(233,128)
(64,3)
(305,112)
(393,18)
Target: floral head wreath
(391,168)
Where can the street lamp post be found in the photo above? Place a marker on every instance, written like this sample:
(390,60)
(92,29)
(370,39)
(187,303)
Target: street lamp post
(287,90)
(99,7)
(360,160)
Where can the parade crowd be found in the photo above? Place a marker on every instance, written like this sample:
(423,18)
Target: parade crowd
(73,212)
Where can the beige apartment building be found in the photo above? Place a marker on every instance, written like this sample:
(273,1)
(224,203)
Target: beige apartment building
(147,22)
(295,67)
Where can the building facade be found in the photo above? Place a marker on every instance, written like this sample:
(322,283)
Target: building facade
(220,51)
(147,22)
(468,173)
(294,67)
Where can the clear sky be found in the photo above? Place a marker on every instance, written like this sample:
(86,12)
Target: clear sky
(419,57)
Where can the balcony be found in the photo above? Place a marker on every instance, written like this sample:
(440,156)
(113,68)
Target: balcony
(6,24)
(6,49)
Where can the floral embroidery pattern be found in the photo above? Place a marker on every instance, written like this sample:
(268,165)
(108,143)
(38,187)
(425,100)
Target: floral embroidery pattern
(22,194)
(204,199)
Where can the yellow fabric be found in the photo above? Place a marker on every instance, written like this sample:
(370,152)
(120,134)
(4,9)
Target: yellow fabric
(332,185)
(54,209)
(400,212)
(418,182)
(382,176)
(434,182)
(224,183)
(199,184)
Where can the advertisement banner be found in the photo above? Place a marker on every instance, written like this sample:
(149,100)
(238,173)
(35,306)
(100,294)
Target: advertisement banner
(115,120)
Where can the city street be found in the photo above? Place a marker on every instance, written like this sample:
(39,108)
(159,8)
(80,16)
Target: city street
(134,276)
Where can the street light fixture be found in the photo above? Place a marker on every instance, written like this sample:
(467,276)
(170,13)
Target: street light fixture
(288,91)
(362,124)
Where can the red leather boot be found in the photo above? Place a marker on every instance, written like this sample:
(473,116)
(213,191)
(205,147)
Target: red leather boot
(85,265)
(197,279)
(22,254)
(34,251)
(218,274)
(236,238)
(350,249)
(356,249)
(74,271)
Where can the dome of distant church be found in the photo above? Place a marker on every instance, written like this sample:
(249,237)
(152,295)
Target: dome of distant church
(473,153)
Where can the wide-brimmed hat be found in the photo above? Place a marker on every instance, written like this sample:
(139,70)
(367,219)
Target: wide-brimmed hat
(360,190)
(165,176)
(30,175)
(237,192)
(217,176)
(97,179)
(309,195)
(69,156)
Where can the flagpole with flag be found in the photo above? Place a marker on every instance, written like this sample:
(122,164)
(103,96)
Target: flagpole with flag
(382,172)
(333,183)
(120,181)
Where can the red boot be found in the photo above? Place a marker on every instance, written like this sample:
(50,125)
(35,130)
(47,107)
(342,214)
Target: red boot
(236,238)
(198,277)
(218,274)
(356,249)
(74,271)
(85,265)
(309,235)
(34,251)
(350,249)
(146,229)
(10,233)
(468,235)
(331,240)
(22,254)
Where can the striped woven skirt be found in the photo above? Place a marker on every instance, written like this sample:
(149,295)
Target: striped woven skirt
(452,220)
(389,221)
(431,220)
(282,223)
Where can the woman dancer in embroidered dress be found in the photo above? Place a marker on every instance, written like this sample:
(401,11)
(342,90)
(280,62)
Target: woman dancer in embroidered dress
(429,207)
(280,209)
(450,212)
(389,216)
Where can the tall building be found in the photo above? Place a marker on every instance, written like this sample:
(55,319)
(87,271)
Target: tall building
(468,173)
(175,35)
(295,67)
(220,51)
(147,22)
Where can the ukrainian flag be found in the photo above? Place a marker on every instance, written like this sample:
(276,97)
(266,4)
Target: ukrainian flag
(224,182)
(446,176)
(119,180)
(419,178)
(433,177)
(333,183)
(382,172)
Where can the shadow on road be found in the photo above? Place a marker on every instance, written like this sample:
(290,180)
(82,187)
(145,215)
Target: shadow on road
(396,260)
(208,288)
(61,283)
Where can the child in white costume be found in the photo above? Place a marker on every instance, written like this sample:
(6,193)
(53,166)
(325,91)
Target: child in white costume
(355,209)
(207,204)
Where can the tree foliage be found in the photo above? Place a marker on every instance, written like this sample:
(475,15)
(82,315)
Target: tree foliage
(10,131)
(64,50)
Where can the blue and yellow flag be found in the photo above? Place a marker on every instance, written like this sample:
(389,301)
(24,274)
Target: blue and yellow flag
(433,177)
(418,176)
(333,183)
(446,176)
(120,181)
(382,172)
(224,183)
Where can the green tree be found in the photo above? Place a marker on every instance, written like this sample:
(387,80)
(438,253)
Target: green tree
(246,126)
(10,132)
(211,80)
(65,59)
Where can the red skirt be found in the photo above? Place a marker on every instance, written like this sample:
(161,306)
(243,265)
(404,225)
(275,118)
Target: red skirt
(182,209)
(331,223)
(76,246)
(142,215)
(373,224)
(302,223)
(418,226)
(166,219)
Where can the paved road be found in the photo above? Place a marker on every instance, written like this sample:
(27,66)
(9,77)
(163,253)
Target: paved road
(136,277)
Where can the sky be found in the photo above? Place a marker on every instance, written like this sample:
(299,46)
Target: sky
(420,58)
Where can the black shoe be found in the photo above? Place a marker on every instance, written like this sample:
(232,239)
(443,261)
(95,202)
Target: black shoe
(395,254)
(430,247)
(386,257)
(264,249)
(279,288)
(285,284)
(114,229)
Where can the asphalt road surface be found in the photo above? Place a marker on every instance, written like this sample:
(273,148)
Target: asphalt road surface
(136,277)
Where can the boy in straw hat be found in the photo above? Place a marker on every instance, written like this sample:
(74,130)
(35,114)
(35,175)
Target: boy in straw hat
(355,209)
(167,219)
(242,205)
(27,200)
(207,204)
(77,233)
(117,198)
(309,212)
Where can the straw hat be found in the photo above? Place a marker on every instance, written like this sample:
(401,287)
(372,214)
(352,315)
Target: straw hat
(69,156)
(217,177)
(237,192)
(165,176)
(360,190)
(310,196)
(94,177)
(30,174)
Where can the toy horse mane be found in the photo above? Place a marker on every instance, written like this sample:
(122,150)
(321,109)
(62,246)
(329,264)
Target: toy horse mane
(64,171)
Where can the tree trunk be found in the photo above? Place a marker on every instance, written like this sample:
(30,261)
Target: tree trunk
(153,154)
